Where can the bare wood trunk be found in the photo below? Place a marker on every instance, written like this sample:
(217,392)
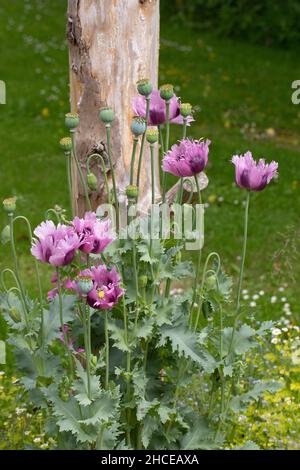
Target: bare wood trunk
(113,44)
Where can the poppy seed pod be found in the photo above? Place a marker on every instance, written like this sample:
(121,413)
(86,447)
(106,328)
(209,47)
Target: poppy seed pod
(85,284)
(143,280)
(14,314)
(106,115)
(211,282)
(9,204)
(71,120)
(144,87)
(132,191)
(185,109)
(66,144)
(138,126)
(166,92)
(92,181)
(152,136)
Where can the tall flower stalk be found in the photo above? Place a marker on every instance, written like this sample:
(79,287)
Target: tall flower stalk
(61,319)
(143,143)
(97,156)
(80,173)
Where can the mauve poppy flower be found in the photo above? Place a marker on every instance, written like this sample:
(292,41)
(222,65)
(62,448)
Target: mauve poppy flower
(68,284)
(187,158)
(94,235)
(106,290)
(253,175)
(55,245)
(157,110)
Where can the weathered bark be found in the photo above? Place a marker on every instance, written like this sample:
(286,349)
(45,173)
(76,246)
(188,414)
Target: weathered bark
(113,44)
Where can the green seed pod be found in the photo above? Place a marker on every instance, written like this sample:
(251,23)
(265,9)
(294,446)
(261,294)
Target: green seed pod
(143,280)
(94,361)
(5,235)
(106,115)
(206,309)
(92,181)
(66,144)
(152,136)
(138,126)
(185,109)
(166,92)
(132,191)
(71,120)
(9,204)
(14,314)
(211,282)
(85,284)
(144,87)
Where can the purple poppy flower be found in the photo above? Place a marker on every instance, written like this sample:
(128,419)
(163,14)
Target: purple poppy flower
(157,111)
(187,158)
(94,235)
(68,284)
(253,175)
(55,245)
(106,290)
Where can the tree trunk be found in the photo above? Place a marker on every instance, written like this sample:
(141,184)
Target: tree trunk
(113,44)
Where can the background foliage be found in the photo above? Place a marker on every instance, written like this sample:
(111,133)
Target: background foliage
(268,22)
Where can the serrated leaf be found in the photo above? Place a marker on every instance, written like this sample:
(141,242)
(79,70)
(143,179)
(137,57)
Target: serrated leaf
(144,328)
(118,335)
(68,419)
(150,424)
(184,342)
(144,406)
(100,410)
(199,437)
(183,269)
(81,386)
(165,413)
(259,388)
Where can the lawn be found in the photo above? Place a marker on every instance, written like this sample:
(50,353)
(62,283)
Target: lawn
(242,97)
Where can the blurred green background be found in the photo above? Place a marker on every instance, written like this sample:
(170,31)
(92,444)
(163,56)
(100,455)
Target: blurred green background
(235,63)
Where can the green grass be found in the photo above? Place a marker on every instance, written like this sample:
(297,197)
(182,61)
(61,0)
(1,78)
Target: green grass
(239,91)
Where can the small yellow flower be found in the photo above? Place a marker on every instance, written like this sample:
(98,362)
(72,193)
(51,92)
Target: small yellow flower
(45,112)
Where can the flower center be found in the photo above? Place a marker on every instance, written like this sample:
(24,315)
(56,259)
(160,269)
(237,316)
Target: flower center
(101,294)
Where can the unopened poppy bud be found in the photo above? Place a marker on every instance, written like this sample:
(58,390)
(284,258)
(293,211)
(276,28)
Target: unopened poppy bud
(106,115)
(85,284)
(14,314)
(71,120)
(138,126)
(66,144)
(92,181)
(5,235)
(211,282)
(144,87)
(185,109)
(143,280)
(166,92)
(94,361)
(152,136)
(9,204)
(132,191)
